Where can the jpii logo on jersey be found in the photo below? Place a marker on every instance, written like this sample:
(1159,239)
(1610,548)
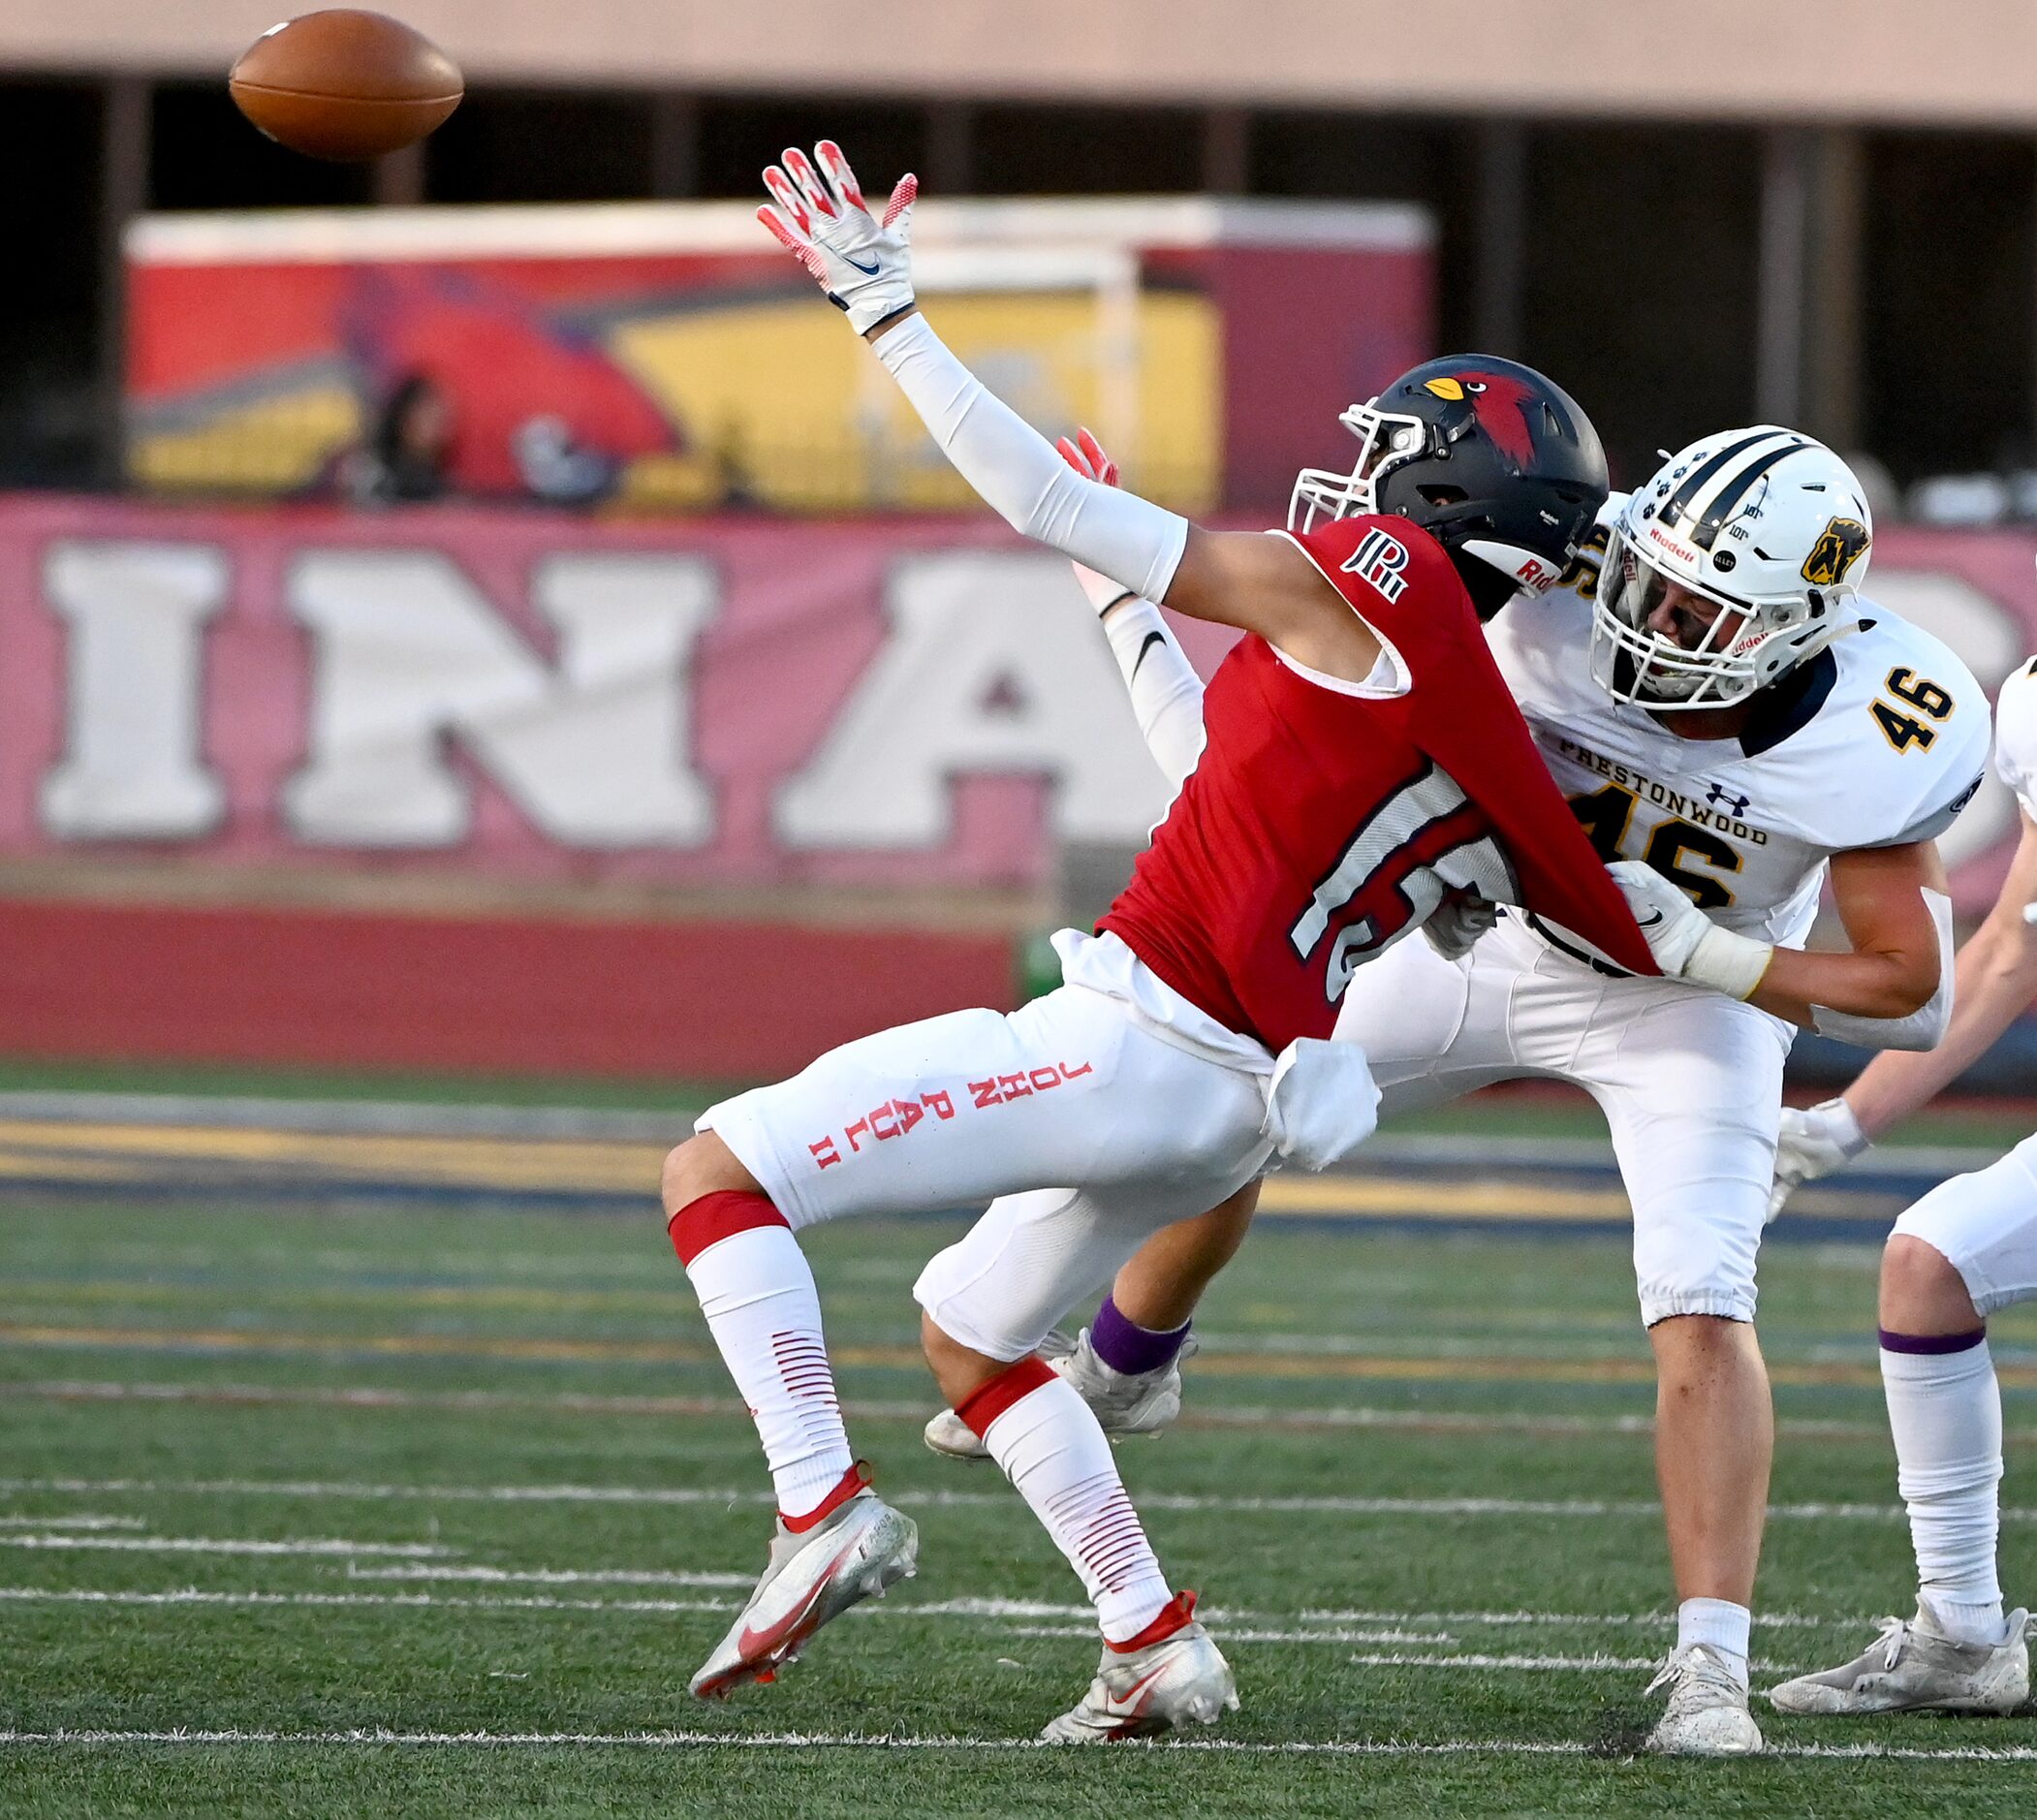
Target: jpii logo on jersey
(1381,562)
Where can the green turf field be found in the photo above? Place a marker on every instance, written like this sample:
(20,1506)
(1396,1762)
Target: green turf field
(344,1487)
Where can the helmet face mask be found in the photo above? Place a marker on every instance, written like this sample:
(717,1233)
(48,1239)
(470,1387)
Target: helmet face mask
(1491,457)
(1385,440)
(1731,567)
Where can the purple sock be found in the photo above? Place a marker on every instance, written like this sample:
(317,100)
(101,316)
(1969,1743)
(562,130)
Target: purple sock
(1125,1346)
(1927,1343)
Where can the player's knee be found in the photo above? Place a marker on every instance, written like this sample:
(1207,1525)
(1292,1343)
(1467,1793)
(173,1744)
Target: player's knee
(702,1165)
(1695,1353)
(1921,1291)
(959,1370)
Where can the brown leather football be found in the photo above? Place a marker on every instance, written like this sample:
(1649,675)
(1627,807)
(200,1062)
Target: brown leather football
(344,85)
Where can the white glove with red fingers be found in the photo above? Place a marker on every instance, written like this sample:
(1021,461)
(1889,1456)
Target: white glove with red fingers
(1687,945)
(862,262)
(1813,1142)
(1085,455)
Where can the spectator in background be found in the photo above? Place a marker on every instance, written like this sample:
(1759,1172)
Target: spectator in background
(558,471)
(406,458)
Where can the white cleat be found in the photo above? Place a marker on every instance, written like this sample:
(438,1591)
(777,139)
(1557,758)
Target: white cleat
(1124,1404)
(1708,1712)
(855,1552)
(1143,1692)
(1914,1667)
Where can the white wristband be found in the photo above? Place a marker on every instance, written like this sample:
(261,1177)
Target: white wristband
(1729,963)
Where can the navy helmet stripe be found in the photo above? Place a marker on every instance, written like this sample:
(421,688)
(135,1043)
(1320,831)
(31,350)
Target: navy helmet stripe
(1721,505)
(1694,483)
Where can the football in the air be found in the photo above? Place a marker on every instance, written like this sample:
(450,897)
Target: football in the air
(344,85)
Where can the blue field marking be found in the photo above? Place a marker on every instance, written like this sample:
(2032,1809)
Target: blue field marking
(162,1148)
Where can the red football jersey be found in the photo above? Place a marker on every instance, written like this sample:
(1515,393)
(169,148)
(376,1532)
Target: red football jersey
(1321,826)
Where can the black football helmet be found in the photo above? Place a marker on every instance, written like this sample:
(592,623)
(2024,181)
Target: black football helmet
(1493,460)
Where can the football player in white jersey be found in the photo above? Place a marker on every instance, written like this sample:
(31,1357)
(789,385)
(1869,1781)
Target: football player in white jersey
(1733,723)
(1965,1251)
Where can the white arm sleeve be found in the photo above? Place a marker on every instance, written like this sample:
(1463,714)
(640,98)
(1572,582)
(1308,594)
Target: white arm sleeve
(1924,1028)
(1022,477)
(1167,694)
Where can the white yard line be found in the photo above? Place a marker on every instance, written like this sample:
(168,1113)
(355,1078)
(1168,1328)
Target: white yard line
(856,1740)
(1523,1621)
(557,1576)
(986,1612)
(228,1545)
(734,1496)
(196,1595)
(373,1397)
(85,1522)
(1204,1415)
(1408,1623)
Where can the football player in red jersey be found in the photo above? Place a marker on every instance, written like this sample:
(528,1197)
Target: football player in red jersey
(1688,1069)
(1365,769)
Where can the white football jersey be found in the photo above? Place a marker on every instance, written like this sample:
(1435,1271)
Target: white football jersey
(1880,738)
(2016,736)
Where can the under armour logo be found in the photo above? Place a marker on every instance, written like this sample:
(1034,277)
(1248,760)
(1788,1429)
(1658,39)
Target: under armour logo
(1720,797)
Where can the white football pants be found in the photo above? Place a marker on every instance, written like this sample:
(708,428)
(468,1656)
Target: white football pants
(1073,1089)
(1986,1225)
(1689,1080)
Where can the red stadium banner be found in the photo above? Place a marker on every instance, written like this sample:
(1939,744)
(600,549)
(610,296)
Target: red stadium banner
(670,355)
(736,701)
(526,696)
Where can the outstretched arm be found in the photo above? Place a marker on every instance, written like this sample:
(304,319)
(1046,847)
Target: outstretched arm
(1257,583)
(1995,979)
(1167,692)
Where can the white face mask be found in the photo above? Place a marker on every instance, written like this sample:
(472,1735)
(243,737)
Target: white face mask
(1384,441)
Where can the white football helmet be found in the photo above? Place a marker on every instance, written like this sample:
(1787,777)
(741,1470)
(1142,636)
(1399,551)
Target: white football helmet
(1770,529)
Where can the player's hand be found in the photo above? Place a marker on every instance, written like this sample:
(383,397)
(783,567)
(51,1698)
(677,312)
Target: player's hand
(1087,456)
(862,262)
(1687,945)
(1813,1144)
(1458,923)
(1671,925)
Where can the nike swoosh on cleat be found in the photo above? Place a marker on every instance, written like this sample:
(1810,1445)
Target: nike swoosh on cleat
(753,1643)
(755,1649)
(1129,1704)
(868,271)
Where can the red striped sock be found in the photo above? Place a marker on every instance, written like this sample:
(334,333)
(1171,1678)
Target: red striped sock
(1047,1440)
(762,1308)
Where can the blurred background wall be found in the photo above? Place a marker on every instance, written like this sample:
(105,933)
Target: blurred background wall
(1823,213)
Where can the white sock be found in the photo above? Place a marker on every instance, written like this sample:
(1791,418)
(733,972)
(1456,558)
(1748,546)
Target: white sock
(1052,1450)
(1721,1624)
(1945,1411)
(757,1292)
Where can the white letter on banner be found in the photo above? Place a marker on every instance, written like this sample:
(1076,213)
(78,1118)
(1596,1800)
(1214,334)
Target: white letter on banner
(132,769)
(993,665)
(594,750)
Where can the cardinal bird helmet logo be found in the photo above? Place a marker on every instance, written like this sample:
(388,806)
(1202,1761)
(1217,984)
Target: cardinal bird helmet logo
(1500,404)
